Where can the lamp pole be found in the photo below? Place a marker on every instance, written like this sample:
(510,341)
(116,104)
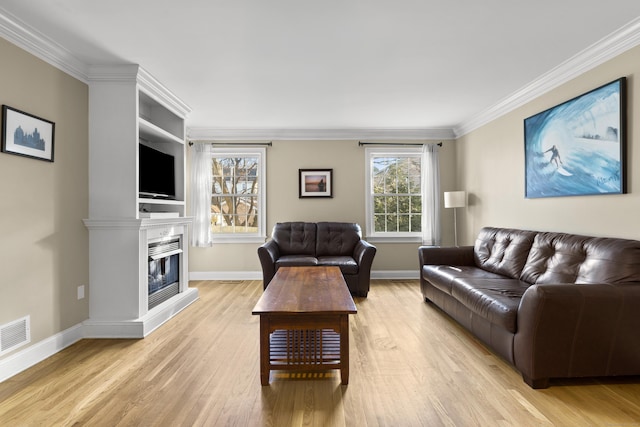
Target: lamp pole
(455,227)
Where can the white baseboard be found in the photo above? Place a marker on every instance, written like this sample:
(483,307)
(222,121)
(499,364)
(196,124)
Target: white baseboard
(140,328)
(225,275)
(395,274)
(30,356)
(257,275)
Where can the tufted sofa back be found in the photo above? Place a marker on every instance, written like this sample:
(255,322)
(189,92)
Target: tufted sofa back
(569,258)
(337,238)
(502,250)
(295,238)
(316,239)
(542,257)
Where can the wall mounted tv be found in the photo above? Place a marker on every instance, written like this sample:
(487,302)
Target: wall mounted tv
(156,173)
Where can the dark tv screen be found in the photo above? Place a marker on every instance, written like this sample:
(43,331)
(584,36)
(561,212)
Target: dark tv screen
(156,173)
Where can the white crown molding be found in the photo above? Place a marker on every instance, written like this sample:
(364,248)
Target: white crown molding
(134,73)
(157,90)
(228,134)
(605,49)
(39,45)
(127,73)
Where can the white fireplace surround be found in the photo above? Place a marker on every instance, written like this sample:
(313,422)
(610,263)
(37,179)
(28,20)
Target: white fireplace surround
(118,288)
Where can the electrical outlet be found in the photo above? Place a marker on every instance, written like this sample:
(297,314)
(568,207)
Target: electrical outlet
(81,292)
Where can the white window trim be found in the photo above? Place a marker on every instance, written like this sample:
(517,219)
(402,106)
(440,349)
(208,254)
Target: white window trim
(261,235)
(386,237)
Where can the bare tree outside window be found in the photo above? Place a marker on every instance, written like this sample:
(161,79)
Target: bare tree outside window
(236,193)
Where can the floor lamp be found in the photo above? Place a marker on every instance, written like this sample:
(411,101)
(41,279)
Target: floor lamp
(455,199)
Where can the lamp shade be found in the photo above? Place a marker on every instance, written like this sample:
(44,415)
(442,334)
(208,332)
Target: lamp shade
(455,199)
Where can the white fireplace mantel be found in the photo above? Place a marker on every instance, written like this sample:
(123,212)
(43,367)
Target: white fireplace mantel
(118,288)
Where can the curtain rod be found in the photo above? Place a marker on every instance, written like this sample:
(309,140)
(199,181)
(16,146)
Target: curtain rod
(206,141)
(361,143)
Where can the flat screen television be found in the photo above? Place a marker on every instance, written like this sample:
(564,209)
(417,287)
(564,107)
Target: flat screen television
(157,178)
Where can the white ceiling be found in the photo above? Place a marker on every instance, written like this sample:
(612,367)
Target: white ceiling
(330,64)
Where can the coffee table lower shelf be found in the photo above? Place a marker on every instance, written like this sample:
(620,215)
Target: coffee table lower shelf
(311,346)
(306,349)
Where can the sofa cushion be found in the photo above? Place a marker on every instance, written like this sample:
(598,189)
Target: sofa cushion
(569,258)
(502,250)
(347,264)
(296,261)
(496,300)
(442,276)
(295,238)
(337,238)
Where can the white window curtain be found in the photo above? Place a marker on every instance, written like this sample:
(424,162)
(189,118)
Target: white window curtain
(201,190)
(431,195)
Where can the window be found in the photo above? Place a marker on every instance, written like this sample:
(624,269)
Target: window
(394,195)
(238,194)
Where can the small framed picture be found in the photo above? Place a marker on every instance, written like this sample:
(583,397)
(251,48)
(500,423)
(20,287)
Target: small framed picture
(315,183)
(24,134)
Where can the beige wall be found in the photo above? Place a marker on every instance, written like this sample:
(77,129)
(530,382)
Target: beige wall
(44,244)
(490,162)
(347,160)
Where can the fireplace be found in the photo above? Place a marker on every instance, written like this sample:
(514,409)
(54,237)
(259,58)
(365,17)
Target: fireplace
(151,258)
(164,271)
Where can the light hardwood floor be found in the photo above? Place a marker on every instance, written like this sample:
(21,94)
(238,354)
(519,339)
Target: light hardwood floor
(410,366)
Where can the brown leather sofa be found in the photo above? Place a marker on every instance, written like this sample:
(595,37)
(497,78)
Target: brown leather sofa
(554,305)
(324,243)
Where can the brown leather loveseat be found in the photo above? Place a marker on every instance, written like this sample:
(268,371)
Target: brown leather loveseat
(554,305)
(324,243)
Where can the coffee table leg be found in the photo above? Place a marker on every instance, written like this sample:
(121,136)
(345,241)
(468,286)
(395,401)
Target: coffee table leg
(344,349)
(264,350)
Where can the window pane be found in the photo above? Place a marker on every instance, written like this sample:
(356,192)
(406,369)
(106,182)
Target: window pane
(391,223)
(392,204)
(216,228)
(404,204)
(416,204)
(416,223)
(403,223)
(379,205)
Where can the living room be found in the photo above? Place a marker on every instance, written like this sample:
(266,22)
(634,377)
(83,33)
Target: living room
(46,243)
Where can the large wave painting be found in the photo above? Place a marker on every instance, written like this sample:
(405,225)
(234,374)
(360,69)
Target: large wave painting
(578,147)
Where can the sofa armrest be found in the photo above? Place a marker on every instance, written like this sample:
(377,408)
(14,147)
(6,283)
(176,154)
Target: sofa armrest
(574,330)
(435,255)
(268,253)
(363,253)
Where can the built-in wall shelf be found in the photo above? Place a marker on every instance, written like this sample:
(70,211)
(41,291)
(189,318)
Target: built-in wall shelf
(129,108)
(150,132)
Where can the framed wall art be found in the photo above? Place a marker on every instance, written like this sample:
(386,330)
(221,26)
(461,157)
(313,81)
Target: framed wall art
(24,134)
(315,183)
(578,148)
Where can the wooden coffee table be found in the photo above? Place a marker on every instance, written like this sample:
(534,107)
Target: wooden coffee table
(304,322)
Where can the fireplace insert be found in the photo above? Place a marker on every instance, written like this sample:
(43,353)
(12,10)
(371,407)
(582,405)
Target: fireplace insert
(164,271)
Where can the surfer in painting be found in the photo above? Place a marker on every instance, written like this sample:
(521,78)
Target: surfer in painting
(555,156)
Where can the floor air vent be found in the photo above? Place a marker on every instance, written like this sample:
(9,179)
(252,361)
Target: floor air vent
(15,334)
